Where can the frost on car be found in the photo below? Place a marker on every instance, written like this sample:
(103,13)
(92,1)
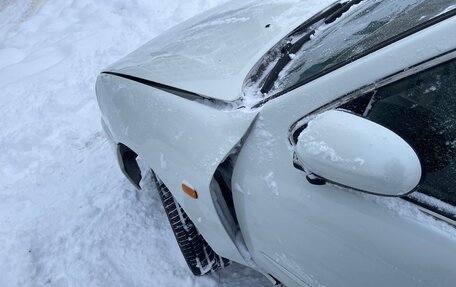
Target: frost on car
(313,141)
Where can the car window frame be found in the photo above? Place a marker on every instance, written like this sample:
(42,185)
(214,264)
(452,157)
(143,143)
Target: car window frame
(301,124)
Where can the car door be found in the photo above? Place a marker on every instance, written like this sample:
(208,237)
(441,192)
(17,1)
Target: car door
(326,235)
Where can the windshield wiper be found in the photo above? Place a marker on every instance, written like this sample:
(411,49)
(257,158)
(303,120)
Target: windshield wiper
(286,54)
(339,12)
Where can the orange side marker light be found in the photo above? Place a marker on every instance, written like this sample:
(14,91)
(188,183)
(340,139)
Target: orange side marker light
(189,191)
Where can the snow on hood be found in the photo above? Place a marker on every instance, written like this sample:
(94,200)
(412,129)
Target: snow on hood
(212,54)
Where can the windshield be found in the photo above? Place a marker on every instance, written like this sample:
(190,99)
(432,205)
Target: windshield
(363,27)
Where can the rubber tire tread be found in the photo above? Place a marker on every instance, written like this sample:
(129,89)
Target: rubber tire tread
(200,257)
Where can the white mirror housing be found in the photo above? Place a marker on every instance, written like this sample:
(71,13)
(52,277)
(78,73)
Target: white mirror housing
(351,151)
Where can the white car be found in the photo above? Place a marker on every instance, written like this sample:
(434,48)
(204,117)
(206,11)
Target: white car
(317,147)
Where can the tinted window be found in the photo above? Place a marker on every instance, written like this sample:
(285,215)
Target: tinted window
(422,110)
(364,26)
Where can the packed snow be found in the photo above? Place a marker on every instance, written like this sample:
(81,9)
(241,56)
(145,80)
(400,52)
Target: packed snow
(67,215)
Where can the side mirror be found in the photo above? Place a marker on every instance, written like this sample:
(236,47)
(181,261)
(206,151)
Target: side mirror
(353,152)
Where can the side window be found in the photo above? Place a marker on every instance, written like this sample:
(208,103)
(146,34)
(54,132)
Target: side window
(422,110)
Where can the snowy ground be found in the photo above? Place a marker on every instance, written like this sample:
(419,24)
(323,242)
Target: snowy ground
(67,215)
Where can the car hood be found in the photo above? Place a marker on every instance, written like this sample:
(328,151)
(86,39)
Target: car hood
(212,54)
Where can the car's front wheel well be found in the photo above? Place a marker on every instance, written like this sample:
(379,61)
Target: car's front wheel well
(127,160)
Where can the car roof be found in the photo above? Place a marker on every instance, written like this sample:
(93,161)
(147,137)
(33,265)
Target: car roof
(213,53)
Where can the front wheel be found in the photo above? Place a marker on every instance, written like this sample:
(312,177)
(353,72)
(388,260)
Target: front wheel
(200,257)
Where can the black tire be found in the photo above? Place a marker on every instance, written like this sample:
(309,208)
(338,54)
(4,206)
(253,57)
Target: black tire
(200,257)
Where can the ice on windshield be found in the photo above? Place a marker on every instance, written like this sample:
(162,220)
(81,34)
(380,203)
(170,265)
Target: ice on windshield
(360,29)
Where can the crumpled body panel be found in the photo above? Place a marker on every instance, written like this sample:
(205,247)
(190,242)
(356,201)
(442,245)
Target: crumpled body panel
(183,141)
